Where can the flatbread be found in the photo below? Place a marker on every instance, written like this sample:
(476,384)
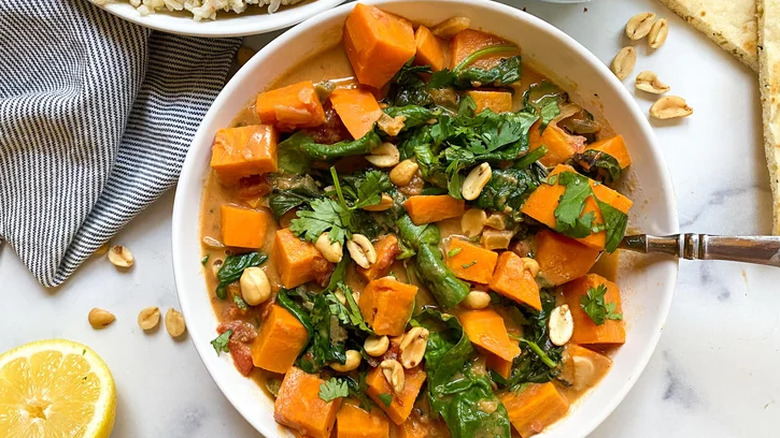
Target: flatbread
(730,23)
(769,78)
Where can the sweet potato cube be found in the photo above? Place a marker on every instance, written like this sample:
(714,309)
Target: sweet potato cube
(402,404)
(377,43)
(243,227)
(513,281)
(298,262)
(386,251)
(299,406)
(536,407)
(352,421)
(541,205)
(562,258)
(586,332)
(430,50)
(387,305)
(468,41)
(244,151)
(279,341)
(424,209)
(496,363)
(357,108)
(560,145)
(291,107)
(614,146)
(496,101)
(486,328)
(470,262)
(580,381)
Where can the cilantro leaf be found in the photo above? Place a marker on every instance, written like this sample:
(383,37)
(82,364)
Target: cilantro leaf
(593,304)
(615,223)
(333,389)
(569,219)
(386,399)
(220,343)
(325,215)
(239,301)
(366,189)
(545,100)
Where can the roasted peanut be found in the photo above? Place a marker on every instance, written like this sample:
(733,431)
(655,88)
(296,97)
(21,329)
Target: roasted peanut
(361,250)
(149,318)
(121,257)
(174,323)
(476,300)
(384,155)
(624,62)
(376,346)
(670,107)
(352,362)
(332,251)
(403,172)
(449,27)
(475,181)
(658,33)
(639,25)
(648,81)
(99,318)
(473,221)
(561,325)
(413,346)
(255,287)
(385,203)
(394,374)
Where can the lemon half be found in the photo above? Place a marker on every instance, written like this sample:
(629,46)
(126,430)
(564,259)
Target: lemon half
(55,388)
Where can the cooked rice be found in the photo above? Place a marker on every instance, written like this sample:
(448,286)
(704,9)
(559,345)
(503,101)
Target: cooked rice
(202,9)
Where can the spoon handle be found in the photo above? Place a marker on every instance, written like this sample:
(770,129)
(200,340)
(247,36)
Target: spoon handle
(762,250)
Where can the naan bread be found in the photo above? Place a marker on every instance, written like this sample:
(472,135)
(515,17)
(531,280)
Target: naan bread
(730,23)
(769,78)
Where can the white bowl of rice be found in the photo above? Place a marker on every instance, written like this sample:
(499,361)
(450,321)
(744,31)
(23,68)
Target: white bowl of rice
(216,18)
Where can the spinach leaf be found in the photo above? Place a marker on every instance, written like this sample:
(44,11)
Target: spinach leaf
(598,165)
(233,267)
(454,390)
(507,190)
(615,223)
(292,192)
(431,269)
(505,73)
(545,99)
(408,88)
(539,360)
(414,115)
(284,300)
(296,153)
(597,309)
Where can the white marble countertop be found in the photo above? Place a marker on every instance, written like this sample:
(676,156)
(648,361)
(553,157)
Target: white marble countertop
(715,370)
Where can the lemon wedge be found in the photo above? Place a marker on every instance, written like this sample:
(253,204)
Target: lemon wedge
(55,388)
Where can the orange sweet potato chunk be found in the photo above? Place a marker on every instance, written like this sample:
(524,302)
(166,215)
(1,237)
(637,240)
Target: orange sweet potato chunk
(291,107)
(352,421)
(299,406)
(377,43)
(430,50)
(513,281)
(496,101)
(486,328)
(560,145)
(402,404)
(544,200)
(279,341)
(468,41)
(562,258)
(298,262)
(387,305)
(496,363)
(425,209)
(536,407)
(387,250)
(244,151)
(614,146)
(243,227)
(586,332)
(357,108)
(470,262)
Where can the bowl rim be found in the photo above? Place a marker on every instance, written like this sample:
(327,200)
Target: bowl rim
(668,196)
(223,27)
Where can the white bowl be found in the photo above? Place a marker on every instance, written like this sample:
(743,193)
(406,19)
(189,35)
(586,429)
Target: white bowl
(647,283)
(252,22)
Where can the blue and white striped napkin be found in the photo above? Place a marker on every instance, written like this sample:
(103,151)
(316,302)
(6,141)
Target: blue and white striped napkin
(96,115)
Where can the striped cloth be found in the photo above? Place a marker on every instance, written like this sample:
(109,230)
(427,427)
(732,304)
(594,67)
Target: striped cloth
(96,115)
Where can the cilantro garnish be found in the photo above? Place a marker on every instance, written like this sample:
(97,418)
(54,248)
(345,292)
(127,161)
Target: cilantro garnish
(386,399)
(599,311)
(220,343)
(333,389)
(454,251)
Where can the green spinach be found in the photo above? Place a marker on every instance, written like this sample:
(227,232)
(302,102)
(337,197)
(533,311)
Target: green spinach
(233,267)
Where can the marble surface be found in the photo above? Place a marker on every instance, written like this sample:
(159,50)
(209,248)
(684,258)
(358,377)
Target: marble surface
(714,372)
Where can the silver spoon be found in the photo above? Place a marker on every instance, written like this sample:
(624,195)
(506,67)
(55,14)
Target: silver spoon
(762,250)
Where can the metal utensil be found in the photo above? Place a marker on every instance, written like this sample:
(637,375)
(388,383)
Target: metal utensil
(762,250)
